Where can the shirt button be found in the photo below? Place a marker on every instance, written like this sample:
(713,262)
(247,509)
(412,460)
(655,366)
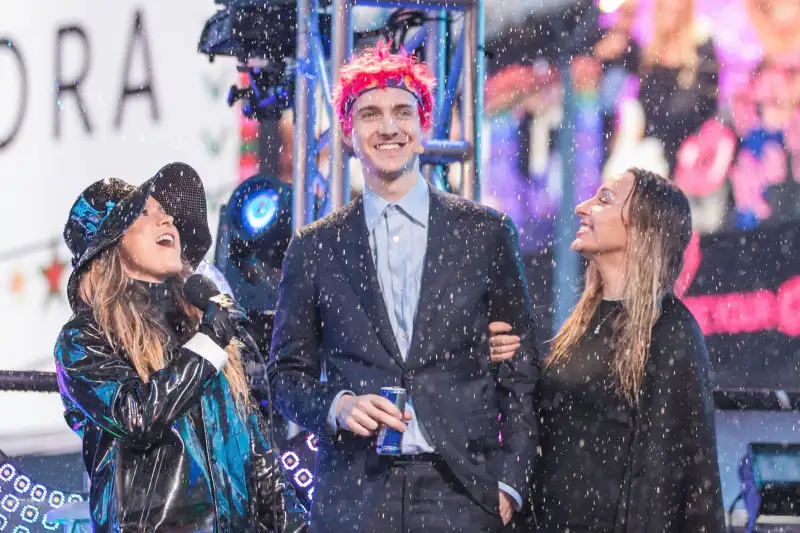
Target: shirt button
(396,238)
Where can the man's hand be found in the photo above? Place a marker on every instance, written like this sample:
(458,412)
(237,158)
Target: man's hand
(506,507)
(502,347)
(363,415)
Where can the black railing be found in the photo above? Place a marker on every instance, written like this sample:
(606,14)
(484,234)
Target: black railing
(25,380)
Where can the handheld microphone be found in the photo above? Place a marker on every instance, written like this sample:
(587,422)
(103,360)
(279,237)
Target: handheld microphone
(201,292)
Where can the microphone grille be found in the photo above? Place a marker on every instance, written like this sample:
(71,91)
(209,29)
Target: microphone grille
(198,289)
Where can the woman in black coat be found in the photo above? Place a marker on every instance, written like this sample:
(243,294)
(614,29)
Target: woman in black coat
(172,440)
(627,420)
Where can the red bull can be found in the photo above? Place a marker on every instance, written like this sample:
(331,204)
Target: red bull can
(389,439)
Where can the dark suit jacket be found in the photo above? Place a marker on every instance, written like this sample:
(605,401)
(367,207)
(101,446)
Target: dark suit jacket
(331,317)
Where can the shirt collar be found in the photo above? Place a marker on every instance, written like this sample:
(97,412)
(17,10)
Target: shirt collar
(415,204)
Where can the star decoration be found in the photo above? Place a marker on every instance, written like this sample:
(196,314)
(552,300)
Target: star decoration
(215,85)
(52,273)
(213,142)
(17,282)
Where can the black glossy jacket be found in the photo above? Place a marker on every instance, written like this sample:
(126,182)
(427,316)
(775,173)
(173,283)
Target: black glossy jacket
(171,454)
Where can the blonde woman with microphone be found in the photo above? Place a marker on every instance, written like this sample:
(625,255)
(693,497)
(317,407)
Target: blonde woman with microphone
(154,386)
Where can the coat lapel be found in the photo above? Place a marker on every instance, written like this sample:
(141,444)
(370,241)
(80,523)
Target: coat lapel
(353,253)
(441,258)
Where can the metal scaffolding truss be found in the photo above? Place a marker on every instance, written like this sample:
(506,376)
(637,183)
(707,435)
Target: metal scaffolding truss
(466,66)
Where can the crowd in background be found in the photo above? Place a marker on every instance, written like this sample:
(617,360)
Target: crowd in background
(653,88)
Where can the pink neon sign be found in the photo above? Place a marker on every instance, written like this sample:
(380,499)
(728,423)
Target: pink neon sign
(740,312)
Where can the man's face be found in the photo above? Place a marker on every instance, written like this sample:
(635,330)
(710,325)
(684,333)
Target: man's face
(386,130)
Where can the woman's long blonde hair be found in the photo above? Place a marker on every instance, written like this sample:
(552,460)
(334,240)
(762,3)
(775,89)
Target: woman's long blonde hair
(659,224)
(687,37)
(120,308)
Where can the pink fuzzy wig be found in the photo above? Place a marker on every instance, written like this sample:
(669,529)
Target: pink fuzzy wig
(378,68)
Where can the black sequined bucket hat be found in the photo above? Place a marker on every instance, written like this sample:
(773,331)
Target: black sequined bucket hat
(106,209)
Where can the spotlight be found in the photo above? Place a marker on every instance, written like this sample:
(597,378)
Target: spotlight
(254,207)
(260,210)
(254,232)
(610,6)
(258,220)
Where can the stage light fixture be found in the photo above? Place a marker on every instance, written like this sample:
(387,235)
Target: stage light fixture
(262,36)
(24,503)
(254,209)
(259,211)
(298,458)
(303,478)
(769,476)
(290,460)
(254,231)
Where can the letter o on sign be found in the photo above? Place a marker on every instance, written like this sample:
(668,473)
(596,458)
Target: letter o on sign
(10,128)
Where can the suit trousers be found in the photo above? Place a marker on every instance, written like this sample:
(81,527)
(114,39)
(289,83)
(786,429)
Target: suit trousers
(421,495)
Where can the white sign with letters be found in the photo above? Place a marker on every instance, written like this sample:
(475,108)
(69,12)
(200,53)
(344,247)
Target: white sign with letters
(90,90)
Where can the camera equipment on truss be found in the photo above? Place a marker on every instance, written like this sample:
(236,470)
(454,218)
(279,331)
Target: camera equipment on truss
(262,36)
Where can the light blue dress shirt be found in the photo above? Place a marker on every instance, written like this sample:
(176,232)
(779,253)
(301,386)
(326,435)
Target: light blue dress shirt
(398,239)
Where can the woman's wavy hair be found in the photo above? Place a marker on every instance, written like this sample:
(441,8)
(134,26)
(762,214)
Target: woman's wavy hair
(659,223)
(120,308)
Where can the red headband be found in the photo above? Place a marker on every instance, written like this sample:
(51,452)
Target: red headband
(378,68)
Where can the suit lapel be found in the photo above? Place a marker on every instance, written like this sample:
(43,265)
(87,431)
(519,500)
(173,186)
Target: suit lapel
(353,253)
(441,258)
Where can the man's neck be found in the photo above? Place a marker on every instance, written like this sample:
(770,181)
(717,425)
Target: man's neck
(392,190)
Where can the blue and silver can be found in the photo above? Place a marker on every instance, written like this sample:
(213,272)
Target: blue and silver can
(389,439)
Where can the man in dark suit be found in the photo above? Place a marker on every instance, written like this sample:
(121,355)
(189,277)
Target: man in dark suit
(398,289)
